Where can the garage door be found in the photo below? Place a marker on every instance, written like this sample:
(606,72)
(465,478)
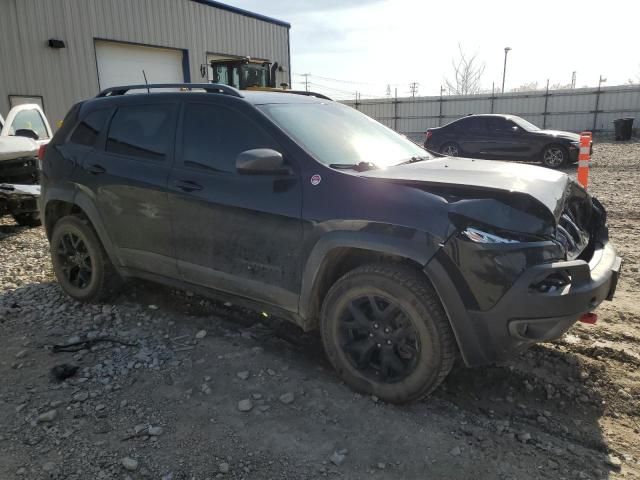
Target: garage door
(122,64)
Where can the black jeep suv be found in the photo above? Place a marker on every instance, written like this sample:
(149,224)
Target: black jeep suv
(309,210)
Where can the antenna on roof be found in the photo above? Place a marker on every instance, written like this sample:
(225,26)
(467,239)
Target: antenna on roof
(145,81)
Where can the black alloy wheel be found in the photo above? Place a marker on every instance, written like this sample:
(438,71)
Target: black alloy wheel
(74,260)
(379,339)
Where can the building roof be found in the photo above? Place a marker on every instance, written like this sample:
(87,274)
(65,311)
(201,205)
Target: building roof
(241,11)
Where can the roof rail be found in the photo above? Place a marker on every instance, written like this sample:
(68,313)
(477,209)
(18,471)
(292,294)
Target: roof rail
(308,94)
(208,87)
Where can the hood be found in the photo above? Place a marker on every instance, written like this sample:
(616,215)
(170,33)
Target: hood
(547,186)
(17,147)
(574,137)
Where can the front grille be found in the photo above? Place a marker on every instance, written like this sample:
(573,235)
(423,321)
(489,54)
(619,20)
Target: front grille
(22,170)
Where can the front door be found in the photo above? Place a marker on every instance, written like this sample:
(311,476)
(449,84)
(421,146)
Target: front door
(237,233)
(509,141)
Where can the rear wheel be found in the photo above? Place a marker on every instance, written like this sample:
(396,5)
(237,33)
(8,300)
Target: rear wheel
(554,156)
(386,333)
(79,261)
(27,219)
(450,150)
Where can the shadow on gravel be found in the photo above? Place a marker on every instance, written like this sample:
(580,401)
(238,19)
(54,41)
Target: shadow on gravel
(7,231)
(546,390)
(546,393)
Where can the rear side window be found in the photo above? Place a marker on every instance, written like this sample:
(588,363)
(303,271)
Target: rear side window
(213,136)
(30,120)
(142,131)
(88,130)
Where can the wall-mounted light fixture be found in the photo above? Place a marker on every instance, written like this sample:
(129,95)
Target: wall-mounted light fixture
(55,43)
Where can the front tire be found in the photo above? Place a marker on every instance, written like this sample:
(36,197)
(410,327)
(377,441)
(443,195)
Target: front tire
(80,263)
(386,333)
(554,156)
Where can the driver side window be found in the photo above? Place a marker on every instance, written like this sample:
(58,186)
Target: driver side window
(213,136)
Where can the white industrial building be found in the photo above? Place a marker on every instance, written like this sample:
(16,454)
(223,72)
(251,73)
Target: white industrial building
(57,52)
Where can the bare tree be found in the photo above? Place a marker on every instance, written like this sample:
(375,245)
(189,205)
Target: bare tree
(467,75)
(526,87)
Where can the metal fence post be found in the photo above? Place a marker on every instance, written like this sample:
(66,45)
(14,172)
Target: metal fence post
(595,111)
(440,110)
(356,100)
(493,94)
(546,102)
(395,111)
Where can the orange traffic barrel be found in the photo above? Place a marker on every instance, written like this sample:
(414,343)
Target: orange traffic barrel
(583,158)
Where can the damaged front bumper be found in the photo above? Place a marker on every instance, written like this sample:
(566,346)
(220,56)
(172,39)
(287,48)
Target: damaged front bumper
(525,314)
(18,199)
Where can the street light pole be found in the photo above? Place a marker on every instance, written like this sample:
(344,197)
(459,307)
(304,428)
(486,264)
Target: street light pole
(504,71)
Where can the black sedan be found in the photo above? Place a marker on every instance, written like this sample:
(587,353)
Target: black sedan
(503,137)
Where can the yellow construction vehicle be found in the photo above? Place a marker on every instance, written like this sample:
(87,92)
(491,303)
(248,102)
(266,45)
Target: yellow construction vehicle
(243,73)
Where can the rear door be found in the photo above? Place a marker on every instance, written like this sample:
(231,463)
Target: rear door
(126,174)
(471,134)
(241,234)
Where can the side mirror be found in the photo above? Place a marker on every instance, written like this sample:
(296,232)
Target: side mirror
(261,161)
(515,129)
(27,132)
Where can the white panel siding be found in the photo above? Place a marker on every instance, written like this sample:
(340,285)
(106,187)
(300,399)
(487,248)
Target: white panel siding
(64,77)
(572,110)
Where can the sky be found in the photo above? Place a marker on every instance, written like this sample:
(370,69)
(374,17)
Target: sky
(365,45)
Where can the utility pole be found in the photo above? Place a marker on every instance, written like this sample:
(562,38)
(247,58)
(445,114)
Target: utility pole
(306,81)
(595,110)
(388,90)
(413,88)
(573,79)
(504,71)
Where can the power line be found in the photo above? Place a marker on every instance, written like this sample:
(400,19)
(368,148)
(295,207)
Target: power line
(352,82)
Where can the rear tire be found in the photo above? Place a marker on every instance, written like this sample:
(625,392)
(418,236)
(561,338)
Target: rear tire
(450,149)
(27,219)
(80,263)
(555,156)
(386,333)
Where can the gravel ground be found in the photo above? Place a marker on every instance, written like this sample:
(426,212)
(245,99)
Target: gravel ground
(172,386)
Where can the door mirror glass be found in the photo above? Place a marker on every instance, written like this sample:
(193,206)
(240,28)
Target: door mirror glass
(261,161)
(27,132)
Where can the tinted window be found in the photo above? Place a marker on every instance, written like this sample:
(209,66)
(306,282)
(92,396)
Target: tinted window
(142,131)
(88,130)
(213,137)
(469,123)
(30,119)
(497,124)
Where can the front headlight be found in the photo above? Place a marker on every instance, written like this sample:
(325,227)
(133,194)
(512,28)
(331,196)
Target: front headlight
(575,144)
(478,236)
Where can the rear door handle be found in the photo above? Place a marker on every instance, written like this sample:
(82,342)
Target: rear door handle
(187,185)
(96,169)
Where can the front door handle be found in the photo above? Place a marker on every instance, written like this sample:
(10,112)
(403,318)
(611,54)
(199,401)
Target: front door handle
(187,185)
(96,169)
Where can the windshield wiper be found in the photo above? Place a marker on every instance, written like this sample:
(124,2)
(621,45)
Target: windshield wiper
(413,160)
(358,167)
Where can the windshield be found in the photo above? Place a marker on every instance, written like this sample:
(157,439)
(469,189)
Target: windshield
(337,134)
(521,122)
